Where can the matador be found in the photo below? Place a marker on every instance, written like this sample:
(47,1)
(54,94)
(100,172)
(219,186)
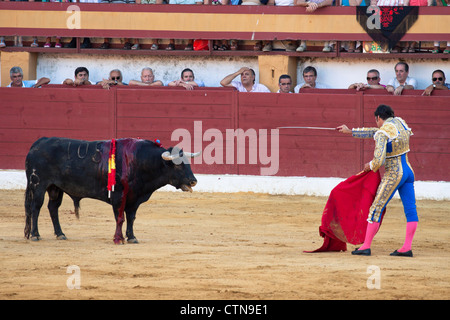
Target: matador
(391,150)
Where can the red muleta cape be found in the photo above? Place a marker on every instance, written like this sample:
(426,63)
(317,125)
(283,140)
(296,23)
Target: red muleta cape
(344,219)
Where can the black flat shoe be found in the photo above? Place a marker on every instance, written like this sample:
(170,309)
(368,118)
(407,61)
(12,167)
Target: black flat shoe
(365,252)
(402,254)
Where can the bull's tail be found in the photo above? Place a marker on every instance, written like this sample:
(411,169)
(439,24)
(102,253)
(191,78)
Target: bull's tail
(29,192)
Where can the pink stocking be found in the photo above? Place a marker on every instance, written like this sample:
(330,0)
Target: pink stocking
(371,230)
(410,230)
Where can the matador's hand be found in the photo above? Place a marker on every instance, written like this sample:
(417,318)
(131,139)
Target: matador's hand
(344,129)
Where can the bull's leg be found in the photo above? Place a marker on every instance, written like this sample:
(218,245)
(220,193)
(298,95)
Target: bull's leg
(56,195)
(131,215)
(35,207)
(118,214)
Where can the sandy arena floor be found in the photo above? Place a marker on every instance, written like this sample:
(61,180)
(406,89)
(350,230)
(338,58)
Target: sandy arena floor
(218,246)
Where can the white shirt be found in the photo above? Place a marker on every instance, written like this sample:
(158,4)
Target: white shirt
(284,2)
(318,86)
(409,81)
(257,87)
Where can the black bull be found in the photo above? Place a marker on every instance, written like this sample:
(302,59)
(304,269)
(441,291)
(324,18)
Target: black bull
(80,169)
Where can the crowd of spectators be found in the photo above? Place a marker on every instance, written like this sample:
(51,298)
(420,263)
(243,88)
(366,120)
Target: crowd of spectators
(247,81)
(299,45)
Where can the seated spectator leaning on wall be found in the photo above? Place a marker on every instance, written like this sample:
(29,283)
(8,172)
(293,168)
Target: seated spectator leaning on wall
(247,83)
(438,79)
(187,80)
(115,79)
(401,80)
(81,78)
(16,75)
(284,83)
(373,82)
(147,79)
(309,78)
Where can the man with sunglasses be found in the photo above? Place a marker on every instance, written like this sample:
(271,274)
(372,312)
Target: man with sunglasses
(115,79)
(373,82)
(438,78)
(402,80)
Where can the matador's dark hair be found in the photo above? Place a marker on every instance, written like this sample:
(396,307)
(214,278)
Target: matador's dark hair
(383,111)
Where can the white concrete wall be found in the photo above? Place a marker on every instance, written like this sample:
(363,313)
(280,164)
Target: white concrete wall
(166,68)
(336,73)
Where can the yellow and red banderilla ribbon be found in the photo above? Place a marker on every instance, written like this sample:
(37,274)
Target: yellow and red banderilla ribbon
(112,167)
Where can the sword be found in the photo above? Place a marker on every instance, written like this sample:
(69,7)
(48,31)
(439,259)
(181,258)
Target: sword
(314,128)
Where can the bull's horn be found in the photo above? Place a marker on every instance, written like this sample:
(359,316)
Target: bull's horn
(192,155)
(167,156)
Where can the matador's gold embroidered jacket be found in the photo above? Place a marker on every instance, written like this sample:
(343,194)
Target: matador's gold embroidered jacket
(391,140)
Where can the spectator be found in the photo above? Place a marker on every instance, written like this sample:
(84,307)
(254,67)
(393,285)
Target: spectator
(373,82)
(48,40)
(286,45)
(438,79)
(351,46)
(2,38)
(18,39)
(187,80)
(221,45)
(16,75)
(411,45)
(147,79)
(84,45)
(395,3)
(312,6)
(285,83)
(155,42)
(437,47)
(309,77)
(258,44)
(190,45)
(115,79)
(247,83)
(81,78)
(86,41)
(233,43)
(437,44)
(401,80)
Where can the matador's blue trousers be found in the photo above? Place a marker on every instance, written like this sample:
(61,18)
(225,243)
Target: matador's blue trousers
(398,176)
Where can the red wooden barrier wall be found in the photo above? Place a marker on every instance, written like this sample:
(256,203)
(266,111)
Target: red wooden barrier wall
(93,113)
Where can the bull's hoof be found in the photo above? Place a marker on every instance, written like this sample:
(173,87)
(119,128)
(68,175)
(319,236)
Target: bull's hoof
(35,238)
(133,240)
(119,241)
(61,237)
